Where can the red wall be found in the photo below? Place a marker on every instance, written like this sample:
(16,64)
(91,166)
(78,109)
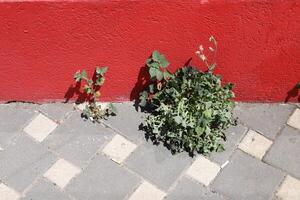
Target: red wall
(42,44)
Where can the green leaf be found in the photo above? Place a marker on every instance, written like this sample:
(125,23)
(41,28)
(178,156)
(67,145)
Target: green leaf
(77,76)
(156,56)
(112,108)
(143,98)
(87,89)
(151,88)
(152,72)
(207,113)
(90,82)
(163,62)
(159,75)
(220,148)
(83,74)
(101,71)
(178,119)
(100,81)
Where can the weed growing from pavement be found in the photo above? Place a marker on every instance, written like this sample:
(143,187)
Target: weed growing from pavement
(190,109)
(92,111)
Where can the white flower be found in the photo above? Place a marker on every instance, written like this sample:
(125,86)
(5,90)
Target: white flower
(202,57)
(197,52)
(201,48)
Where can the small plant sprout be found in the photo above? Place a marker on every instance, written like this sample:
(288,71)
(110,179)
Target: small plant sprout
(91,89)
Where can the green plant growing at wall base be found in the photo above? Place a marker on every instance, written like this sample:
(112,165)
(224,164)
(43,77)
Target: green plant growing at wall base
(91,89)
(191,108)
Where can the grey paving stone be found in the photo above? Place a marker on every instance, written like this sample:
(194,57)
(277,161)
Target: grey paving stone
(285,152)
(190,190)
(77,140)
(12,120)
(157,164)
(127,121)
(247,178)
(23,161)
(234,135)
(264,118)
(57,111)
(44,190)
(103,179)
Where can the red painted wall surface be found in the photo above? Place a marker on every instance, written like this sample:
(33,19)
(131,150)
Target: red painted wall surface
(42,44)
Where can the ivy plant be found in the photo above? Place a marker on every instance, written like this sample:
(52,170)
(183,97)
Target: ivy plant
(191,110)
(91,89)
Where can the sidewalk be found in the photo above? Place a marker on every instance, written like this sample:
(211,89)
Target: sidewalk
(47,152)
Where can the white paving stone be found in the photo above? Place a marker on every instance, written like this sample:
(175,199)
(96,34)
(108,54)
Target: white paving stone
(255,144)
(289,189)
(40,127)
(119,148)
(147,191)
(62,172)
(294,120)
(7,193)
(203,170)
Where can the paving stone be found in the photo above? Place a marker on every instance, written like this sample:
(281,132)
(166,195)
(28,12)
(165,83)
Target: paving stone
(247,178)
(157,164)
(118,149)
(44,190)
(62,172)
(7,193)
(57,111)
(190,190)
(203,170)
(294,120)
(234,135)
(40,127)
(285,152)
(147,191)
(102,179)
(12,121)
(255,144)
(127,121)
(289,189)
(77,140)
(267,119)
(23,161)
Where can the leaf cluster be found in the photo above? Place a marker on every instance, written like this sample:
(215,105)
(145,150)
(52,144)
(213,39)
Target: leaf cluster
(191,111)
(91,88)
(157,65)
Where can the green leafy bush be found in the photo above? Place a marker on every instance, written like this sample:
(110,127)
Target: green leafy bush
(190,109)
(91,89)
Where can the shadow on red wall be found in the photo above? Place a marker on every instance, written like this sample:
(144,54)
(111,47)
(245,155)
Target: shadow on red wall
(293,93)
